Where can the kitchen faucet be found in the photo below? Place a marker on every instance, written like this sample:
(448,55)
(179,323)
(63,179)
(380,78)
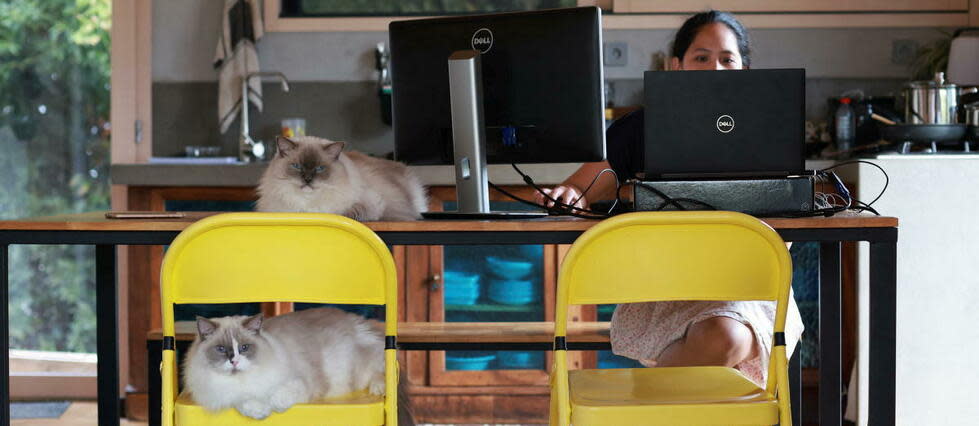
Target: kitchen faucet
(248,149)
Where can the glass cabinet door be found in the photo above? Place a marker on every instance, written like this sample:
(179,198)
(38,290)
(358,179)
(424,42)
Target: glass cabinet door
(491,283)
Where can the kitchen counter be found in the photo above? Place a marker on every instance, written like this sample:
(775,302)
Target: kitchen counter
(247,175)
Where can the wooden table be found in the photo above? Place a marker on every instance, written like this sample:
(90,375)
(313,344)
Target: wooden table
(880,232)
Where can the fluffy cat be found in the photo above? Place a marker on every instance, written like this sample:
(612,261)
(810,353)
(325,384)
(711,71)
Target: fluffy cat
(310,174)
(259,366)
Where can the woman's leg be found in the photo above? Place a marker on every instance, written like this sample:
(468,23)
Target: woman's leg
(719,341)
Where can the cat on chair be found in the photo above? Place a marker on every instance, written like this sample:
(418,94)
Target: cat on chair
(311,174)
(260,366)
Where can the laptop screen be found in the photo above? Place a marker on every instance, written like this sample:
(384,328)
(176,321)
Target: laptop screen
(710,124)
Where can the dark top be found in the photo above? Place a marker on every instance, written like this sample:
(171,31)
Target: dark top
(624,145)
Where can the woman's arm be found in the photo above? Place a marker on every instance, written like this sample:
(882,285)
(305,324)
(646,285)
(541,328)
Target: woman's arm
(571,189)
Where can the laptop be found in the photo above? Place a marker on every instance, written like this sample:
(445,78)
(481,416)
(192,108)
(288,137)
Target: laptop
(724,124)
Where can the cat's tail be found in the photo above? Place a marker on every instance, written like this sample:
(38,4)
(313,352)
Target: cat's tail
(406,413)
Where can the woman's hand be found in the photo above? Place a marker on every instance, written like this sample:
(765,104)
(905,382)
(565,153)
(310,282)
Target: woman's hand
(566,194)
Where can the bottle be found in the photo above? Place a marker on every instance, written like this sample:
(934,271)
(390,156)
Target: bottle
(845,126)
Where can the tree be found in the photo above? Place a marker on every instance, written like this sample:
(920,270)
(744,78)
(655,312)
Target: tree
(54,136)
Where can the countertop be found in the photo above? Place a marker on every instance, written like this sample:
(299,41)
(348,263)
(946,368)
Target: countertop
(247,175)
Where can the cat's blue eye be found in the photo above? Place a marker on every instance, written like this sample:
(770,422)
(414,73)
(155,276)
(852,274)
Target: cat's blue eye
(295,166)
(243,349)
(320,169)
(220,348)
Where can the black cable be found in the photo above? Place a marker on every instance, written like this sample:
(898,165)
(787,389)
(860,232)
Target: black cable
(561,207)
(549,210)
(887,179)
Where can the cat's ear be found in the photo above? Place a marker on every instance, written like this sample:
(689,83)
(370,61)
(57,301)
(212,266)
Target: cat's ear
(253,323)
(333,150)
(205,327)
(284,145)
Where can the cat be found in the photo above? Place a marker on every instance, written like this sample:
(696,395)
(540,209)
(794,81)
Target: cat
(260,366)
(310,174)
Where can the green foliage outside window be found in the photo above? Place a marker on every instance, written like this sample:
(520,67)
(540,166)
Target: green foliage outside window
(54,159)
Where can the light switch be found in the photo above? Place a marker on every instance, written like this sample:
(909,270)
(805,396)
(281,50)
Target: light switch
(616,53)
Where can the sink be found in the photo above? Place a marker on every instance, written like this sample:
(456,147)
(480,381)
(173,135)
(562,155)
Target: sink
(195,160)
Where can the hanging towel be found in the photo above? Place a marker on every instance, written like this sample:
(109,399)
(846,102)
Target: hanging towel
(236,57)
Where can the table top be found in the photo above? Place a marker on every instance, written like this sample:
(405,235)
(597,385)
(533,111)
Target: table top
(96,221)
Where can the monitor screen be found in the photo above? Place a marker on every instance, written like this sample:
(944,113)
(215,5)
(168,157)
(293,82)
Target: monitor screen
(542,85)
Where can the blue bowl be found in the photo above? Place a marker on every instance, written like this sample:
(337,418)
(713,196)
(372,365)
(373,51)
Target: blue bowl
(512,292)
(468,363)
(460,279)
(509,269)
(520,359)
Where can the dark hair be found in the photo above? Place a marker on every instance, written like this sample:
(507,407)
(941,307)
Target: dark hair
(687,32)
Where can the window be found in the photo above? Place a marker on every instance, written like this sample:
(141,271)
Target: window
(350,8)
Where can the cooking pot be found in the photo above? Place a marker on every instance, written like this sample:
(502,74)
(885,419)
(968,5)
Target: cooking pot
(972,114)
(933,101)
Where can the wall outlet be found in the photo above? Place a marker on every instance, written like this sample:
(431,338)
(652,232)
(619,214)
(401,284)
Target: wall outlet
(616,53)
(903,51)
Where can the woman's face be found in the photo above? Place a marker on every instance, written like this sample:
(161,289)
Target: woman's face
(714,48)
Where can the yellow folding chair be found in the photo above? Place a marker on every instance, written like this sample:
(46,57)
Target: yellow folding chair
(280,257)
(659,256)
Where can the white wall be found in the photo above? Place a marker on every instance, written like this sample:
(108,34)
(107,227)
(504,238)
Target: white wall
(185,34)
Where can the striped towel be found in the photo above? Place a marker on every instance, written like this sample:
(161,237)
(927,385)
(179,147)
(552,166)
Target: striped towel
(236,57)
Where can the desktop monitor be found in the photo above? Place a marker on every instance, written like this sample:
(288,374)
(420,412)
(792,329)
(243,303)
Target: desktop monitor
(527,86)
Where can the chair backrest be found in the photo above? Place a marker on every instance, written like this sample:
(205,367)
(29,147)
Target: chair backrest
(278,257)
(656,256)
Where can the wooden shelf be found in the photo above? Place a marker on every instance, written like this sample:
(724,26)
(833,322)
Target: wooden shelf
(492,307)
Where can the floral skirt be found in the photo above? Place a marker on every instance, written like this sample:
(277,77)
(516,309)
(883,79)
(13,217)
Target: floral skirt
(643,330)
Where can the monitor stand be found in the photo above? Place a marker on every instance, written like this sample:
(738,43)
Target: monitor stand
(468,143)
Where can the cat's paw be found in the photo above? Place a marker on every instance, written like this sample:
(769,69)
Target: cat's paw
(288,396)
(255,409)
(376,387)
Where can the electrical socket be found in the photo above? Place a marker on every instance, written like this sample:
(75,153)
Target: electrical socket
(903,51)
(616,53)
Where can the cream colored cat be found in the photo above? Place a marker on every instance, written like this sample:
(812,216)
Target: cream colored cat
(260,366)
(310,174)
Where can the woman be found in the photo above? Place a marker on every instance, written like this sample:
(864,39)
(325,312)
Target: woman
(732,334)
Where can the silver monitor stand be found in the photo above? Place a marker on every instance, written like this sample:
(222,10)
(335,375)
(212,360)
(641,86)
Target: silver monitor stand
(468,143)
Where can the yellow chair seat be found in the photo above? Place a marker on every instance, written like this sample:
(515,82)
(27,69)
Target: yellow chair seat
(356,409)
(668,396)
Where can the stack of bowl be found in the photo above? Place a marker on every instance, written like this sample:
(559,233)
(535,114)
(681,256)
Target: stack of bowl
(461,288)
(512,284)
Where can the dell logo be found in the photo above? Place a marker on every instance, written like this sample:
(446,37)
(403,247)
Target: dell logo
(725,124)
(482,40)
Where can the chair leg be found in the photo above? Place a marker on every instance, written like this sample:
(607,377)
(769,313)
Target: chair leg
(795,386)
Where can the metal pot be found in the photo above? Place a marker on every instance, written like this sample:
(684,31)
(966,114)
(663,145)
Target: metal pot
(972,114)
(933,101)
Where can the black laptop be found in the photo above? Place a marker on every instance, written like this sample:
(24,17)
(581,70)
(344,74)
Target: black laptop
(724,124)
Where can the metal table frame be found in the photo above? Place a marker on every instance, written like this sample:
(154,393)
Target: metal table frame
(883,299)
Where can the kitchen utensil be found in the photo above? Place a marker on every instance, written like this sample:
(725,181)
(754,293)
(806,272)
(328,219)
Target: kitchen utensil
(923,132)
(882,119)
(972,114)
(933,101)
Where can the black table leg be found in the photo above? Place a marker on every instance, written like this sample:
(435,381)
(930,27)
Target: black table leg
(830,323)
(106,305)
(795,385)
(883,331)
(4,335)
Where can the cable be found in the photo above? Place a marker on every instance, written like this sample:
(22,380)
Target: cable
(887,179)
(559,207)
(549,210)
